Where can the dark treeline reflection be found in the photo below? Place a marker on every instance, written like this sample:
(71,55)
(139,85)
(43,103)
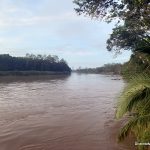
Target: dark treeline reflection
(33,78)
(33,63)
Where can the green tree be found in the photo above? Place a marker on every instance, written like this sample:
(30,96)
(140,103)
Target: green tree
(133,31)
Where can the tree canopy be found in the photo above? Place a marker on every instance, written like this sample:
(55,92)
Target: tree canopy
(132,31)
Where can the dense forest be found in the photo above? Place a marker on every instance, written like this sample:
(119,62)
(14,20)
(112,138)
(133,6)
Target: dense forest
(113,69)
(33,63)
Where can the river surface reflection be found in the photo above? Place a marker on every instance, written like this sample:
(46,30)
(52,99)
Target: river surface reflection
(59,113)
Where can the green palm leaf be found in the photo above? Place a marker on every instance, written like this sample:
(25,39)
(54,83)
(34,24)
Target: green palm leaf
(136,92)
(142,121)
(136,99)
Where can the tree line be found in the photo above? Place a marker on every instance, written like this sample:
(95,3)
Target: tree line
(33,63)
(113,68)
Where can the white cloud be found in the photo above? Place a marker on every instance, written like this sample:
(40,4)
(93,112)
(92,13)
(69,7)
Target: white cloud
(9,21)
(10,41)
(14,14)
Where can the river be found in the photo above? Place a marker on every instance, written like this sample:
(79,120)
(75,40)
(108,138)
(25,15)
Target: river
(73,112)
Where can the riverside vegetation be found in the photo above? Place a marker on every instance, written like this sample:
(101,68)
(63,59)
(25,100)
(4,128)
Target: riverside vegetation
(112,69)
(131,32)
(32,65)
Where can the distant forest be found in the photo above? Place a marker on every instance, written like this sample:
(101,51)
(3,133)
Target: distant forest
(114,68)
(33,63)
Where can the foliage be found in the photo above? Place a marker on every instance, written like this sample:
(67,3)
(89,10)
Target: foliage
(114,68)
(113,8)
(131,31)
(33,63)
(135,100)
(128,37)
(138,63)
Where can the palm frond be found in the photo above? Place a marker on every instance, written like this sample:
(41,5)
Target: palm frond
(126,129)
(142,121)
(136,91)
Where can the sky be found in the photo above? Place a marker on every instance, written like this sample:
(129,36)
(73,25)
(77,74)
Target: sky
(52,27)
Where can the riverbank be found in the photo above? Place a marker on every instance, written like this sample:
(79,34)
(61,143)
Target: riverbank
(113,130)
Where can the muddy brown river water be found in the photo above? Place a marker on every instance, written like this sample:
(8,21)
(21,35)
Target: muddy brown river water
(59,113)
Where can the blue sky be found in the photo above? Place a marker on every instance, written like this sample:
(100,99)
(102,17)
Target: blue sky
(49,27)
